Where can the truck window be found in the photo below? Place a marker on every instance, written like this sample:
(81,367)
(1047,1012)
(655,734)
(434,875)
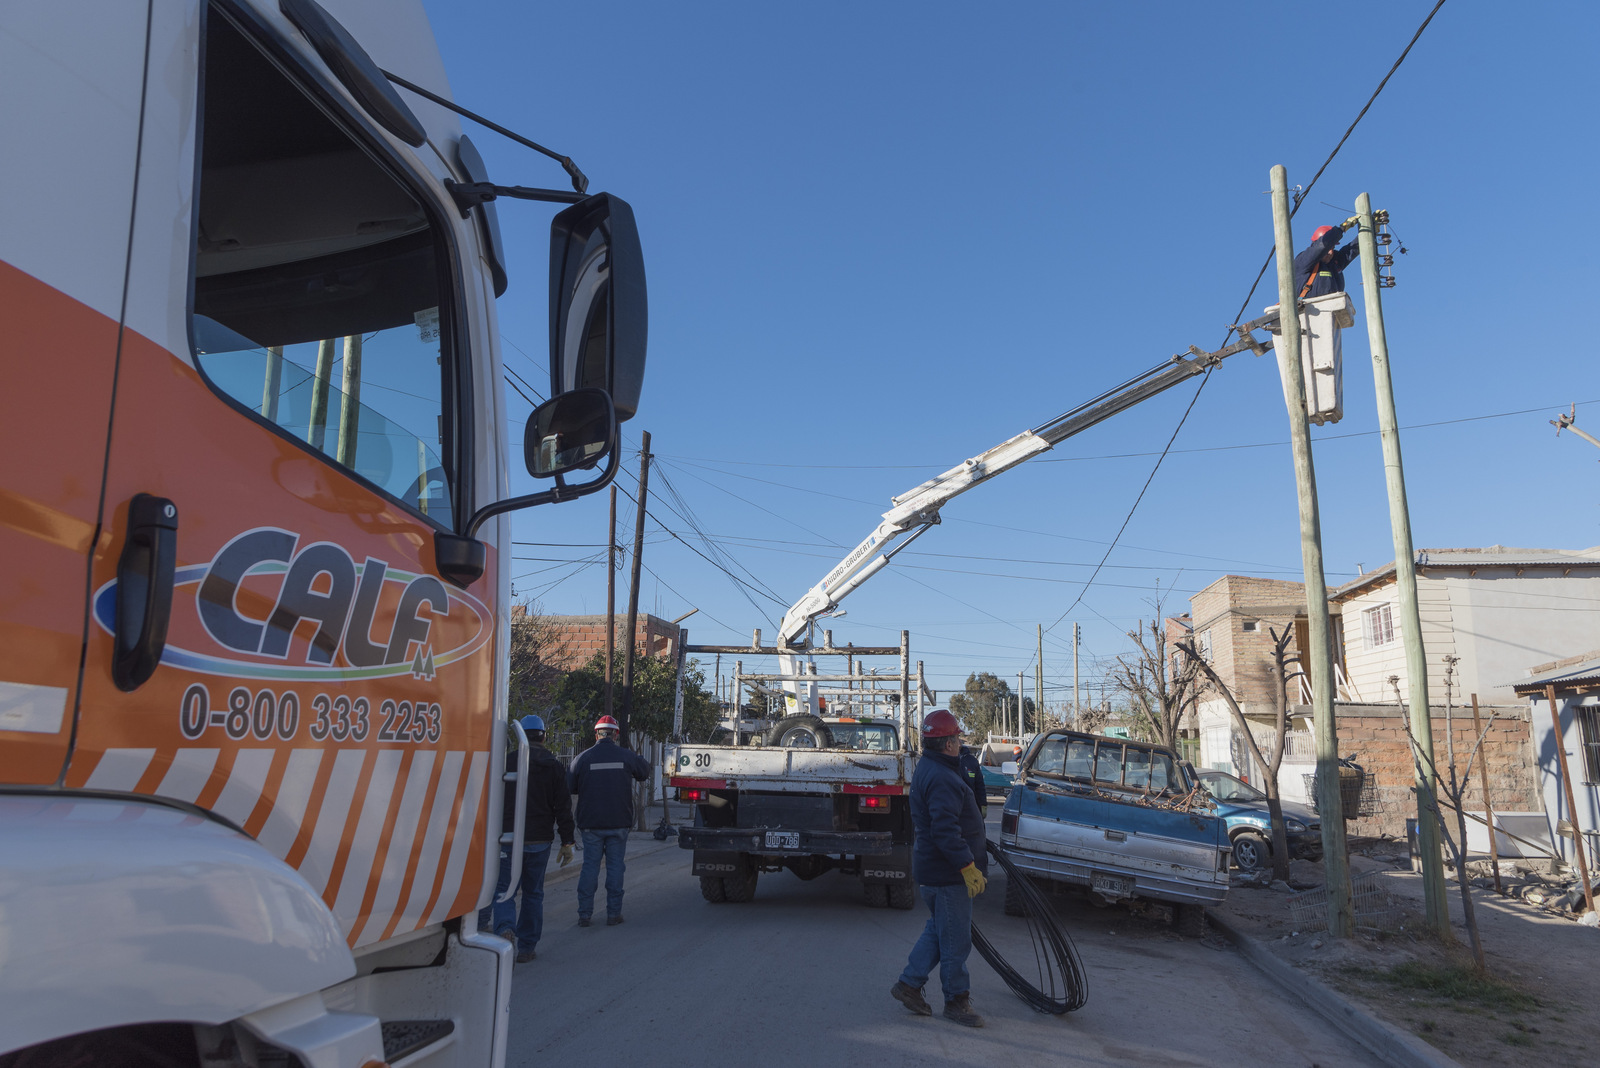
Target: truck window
(317,282)
(1108,763)
(1052,756)
(874,737)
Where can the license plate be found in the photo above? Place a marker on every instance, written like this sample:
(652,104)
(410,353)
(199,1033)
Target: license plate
(783,839)
(1111,885)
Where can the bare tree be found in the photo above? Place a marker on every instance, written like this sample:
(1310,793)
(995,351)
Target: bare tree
(538,645)
(1159,689)
(1281,674)
(1455,790)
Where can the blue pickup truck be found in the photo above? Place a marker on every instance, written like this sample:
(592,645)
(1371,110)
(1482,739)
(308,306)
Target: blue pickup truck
(1118,819)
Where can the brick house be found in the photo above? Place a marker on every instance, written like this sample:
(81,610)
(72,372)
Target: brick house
(581,637)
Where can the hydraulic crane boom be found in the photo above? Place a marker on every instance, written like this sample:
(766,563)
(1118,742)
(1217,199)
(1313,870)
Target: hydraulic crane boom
(914,512)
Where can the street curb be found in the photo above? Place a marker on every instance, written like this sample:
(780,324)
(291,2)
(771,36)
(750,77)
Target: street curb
(1392,1046)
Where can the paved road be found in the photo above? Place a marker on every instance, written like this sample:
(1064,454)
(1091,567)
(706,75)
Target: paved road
(800,976)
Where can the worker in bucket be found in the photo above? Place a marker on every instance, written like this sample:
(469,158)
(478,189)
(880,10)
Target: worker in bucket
(546,812)
(948,862)
(1319,270)
(602,779)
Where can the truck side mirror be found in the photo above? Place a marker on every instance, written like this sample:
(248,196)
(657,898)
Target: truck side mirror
(598,307)
(570,432)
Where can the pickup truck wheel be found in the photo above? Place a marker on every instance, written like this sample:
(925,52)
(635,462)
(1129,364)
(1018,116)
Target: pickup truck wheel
(1189,920)
(1014,902)
(711,889)
(802,731)
(740,888)
(902,897)
(876,895)
(1251,852)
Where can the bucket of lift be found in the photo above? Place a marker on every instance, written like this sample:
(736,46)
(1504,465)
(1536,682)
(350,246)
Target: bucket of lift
(1321,321)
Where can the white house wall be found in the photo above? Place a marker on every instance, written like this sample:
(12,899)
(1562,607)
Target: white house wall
(1586,794)
(1368,669)
(1512,624)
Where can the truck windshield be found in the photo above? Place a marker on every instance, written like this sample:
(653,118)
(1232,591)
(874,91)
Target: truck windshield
(876,737)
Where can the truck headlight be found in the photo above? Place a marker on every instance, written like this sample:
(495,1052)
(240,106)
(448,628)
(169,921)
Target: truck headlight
(1294,826)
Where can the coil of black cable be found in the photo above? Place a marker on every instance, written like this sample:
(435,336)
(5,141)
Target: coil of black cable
(1060,985)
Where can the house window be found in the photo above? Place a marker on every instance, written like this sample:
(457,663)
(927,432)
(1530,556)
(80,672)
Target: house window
(1249,626)
(1589,728)
(1203,645)
(1377,625)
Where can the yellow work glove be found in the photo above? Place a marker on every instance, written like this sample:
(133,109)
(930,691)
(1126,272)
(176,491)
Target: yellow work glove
(974,879)
(564,857)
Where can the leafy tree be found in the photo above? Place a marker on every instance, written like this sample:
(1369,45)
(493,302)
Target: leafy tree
(580,698)
(987,702)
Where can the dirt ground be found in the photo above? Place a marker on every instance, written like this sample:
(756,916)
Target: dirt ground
(1540,1007)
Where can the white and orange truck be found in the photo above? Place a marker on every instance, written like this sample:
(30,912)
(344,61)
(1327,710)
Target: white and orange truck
(254,521)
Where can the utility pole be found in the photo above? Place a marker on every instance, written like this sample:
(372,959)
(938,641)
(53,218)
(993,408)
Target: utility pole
(633,586)
(1336,863)
(1075,640)
(611,601)
(1038,680)
(1019,707)
(1435,893)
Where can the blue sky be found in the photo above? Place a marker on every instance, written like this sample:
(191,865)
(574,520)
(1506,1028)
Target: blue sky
(881,238)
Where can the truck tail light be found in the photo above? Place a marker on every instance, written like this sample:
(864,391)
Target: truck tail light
(692,794)
(874,803)
(1008,823)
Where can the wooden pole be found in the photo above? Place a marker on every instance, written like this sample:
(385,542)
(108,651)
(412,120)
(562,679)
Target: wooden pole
(1335,860)
(1572,808)
(272,387)
(633,585)
(317,431)
(1435,894)
(350,403)
(1488,804)
(611,603)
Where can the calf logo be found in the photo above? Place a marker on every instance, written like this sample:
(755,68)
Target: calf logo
(310,612)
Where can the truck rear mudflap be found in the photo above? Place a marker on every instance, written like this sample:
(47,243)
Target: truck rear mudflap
(780,841)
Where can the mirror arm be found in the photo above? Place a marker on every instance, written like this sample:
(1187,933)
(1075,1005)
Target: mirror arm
(561,492)
(469,195)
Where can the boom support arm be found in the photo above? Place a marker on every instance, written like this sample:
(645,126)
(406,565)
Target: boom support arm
(916,511)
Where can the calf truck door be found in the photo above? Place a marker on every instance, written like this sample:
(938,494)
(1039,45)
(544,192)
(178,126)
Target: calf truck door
(302,415)
(72,73)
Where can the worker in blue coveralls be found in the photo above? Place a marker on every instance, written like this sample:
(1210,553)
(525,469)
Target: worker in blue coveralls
(1319,270)
(547,811)
(948,863)
(602,779)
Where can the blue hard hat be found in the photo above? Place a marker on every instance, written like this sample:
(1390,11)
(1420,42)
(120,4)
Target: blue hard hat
(532,723)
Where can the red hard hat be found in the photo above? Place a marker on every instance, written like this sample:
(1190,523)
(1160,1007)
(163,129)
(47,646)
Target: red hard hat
(940,724)
(1316,235)
(606,723)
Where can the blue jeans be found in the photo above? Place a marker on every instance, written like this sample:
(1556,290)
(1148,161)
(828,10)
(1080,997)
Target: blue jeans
(612,843)
(530,923)
(945,941)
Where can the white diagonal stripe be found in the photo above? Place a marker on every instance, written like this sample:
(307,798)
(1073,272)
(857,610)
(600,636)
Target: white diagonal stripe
(364,846)
(471,802)
(391,880)
(119,769)
(444,803)
(238,798)
(187,774)
(332,818)
(282,826)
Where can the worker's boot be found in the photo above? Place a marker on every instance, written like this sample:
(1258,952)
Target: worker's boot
(911,998)
(959,1009)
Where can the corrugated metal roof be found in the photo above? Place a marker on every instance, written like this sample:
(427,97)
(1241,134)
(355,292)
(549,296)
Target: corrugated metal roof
(1491,556)
(1562,674)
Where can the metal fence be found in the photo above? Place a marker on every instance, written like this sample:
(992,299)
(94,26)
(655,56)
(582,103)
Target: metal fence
(1373,906)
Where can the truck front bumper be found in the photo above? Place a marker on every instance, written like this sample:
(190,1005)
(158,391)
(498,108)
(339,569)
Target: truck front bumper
(768,841)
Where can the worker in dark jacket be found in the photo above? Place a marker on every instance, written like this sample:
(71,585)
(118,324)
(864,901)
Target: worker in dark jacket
(972,771)
(1319,270)
(602,779)
(948,862)
(546,811)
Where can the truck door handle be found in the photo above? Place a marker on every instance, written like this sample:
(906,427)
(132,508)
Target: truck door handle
(145,574)
(1117,836)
